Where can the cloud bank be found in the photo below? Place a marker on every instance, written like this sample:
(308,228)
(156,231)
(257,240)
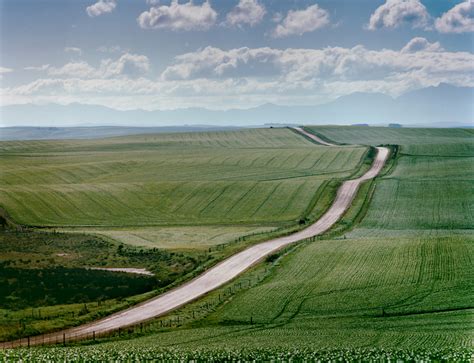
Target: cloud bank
(215,77)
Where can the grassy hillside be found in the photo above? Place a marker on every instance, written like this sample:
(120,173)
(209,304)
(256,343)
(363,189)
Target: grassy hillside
(408,137)
(201,195)
(261,176)
(401,279)
(397,284)
(178,237)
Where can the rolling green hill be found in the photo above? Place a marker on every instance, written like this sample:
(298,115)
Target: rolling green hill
(401,279)
(398,283)
(260,176)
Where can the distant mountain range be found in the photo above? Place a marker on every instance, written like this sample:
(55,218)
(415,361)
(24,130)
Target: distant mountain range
(444,105)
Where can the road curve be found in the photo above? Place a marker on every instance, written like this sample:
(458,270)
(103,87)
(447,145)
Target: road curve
(312,137)
(222,272)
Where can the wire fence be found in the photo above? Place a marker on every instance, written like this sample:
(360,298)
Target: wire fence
(179,318)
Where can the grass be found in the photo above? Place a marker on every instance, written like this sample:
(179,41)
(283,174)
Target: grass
(395,275)
(46,271)
(455,142)
(177,238)
(172,203)
(261,176)
(393,280)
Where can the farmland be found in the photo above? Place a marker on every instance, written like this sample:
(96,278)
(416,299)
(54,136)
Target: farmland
(30,305)
(171,203)
(244,177)
(394,280)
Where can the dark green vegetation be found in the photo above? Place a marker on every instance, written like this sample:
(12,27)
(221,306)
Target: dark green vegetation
(44,283)
(133,353)
(21,288)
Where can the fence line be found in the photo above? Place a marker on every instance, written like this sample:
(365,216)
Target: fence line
(64,338)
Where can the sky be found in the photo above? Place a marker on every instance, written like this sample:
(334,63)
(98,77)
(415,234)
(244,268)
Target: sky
(221,54)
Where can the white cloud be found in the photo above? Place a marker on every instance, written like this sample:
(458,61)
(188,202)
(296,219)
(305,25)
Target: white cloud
(80,69)
(295,66)
(109,49)
(419,44)
(5,70)
(179,17)
(249,12)
(394,13)
(41,68)
(459,19)
(73,50)
(101,7)
(298,22)
(244,77)
(214,62)
(128,65)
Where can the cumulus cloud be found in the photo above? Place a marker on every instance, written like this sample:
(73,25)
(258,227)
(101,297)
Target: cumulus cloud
(459,19)
(214,62)
(73,69)
(249,12)
(298,22)
(394,13)
(179,17)
(128,65)
(101,7)
(419,44)
(73,50)
(330,64)
(248,76)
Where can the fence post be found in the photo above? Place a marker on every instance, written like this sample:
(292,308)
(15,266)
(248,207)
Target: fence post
(28,342)
(64,339)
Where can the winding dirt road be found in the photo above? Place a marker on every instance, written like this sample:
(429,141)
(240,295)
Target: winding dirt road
(222,272)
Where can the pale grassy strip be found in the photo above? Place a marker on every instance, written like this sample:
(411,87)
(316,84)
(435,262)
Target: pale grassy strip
(189,237)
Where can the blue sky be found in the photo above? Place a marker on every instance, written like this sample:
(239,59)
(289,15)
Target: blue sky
(162,54)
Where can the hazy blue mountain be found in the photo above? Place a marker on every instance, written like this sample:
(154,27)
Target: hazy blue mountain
(442,105)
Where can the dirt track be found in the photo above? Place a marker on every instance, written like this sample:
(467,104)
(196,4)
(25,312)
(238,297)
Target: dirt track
(221,273)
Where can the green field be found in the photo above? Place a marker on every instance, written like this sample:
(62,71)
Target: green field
(261,176)
(171,203)
(400,279)
(177,238)
(393,280)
